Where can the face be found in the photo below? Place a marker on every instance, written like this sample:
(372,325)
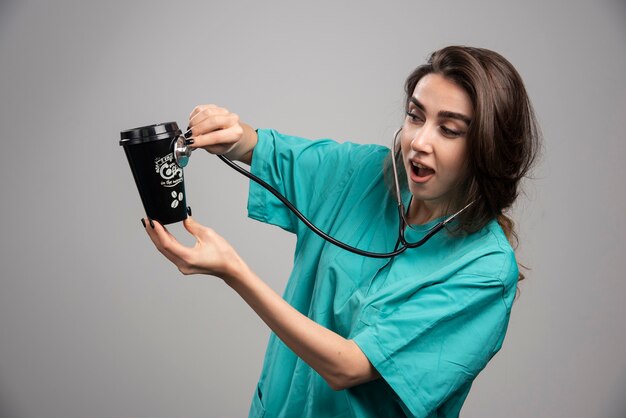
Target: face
(434,144)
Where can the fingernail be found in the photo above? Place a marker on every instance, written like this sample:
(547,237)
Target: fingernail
(189,141)
(143,222)
(151,224)
(189,210)
(188,133)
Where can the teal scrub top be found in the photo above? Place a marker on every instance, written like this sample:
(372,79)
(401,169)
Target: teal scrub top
(428,320)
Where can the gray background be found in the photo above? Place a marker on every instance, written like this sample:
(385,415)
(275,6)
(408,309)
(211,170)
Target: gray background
(95,323)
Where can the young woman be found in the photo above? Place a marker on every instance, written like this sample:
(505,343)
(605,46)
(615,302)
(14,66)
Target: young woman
(402,336)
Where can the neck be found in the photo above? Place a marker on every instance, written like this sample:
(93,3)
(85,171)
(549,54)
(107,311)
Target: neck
(421,212)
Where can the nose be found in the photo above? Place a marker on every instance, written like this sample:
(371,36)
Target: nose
(423,138)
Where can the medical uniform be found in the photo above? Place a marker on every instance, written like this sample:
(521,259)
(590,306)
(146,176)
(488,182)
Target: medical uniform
(429,319)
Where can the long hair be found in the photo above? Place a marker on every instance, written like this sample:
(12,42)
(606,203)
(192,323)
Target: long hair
(503,138)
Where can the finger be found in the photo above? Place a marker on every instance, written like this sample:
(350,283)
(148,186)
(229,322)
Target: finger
(199,109)
(204,121)
(167,244)
(150,226)
(169,234)
(194,228)
(213,122)
(216,120)
(203,112)
(220,141)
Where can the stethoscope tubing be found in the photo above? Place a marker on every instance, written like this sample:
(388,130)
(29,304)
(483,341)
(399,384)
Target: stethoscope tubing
(401,238)
(308,223)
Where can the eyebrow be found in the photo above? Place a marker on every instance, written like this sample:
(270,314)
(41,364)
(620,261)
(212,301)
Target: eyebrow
(446,114)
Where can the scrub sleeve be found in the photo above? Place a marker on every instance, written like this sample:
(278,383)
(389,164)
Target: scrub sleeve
(308,173)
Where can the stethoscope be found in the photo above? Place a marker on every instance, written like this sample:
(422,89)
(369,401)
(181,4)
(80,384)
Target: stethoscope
(182,152)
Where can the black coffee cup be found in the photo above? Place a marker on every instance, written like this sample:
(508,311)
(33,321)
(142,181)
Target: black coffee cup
(159,178)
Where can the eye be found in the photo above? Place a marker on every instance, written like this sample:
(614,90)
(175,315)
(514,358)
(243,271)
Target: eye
(413,116)
(450,133)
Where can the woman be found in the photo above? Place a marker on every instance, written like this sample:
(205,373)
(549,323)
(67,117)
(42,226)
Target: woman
(367,337)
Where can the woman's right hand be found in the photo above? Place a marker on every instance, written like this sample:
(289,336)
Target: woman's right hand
(219,131)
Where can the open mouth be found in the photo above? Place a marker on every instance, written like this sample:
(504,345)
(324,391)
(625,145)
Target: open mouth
(420,171)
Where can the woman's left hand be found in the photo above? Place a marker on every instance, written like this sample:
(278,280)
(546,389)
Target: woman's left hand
(211,254)
(338,360)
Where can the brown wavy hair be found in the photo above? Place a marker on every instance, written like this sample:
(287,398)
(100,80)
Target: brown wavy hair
(503,137)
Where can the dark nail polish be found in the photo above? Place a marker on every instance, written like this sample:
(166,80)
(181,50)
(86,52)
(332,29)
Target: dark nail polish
(143,222)
(151,224)
(189,210)
(189,141)
(188,134)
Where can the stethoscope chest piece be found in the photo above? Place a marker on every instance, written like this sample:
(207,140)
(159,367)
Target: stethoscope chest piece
(182,151)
